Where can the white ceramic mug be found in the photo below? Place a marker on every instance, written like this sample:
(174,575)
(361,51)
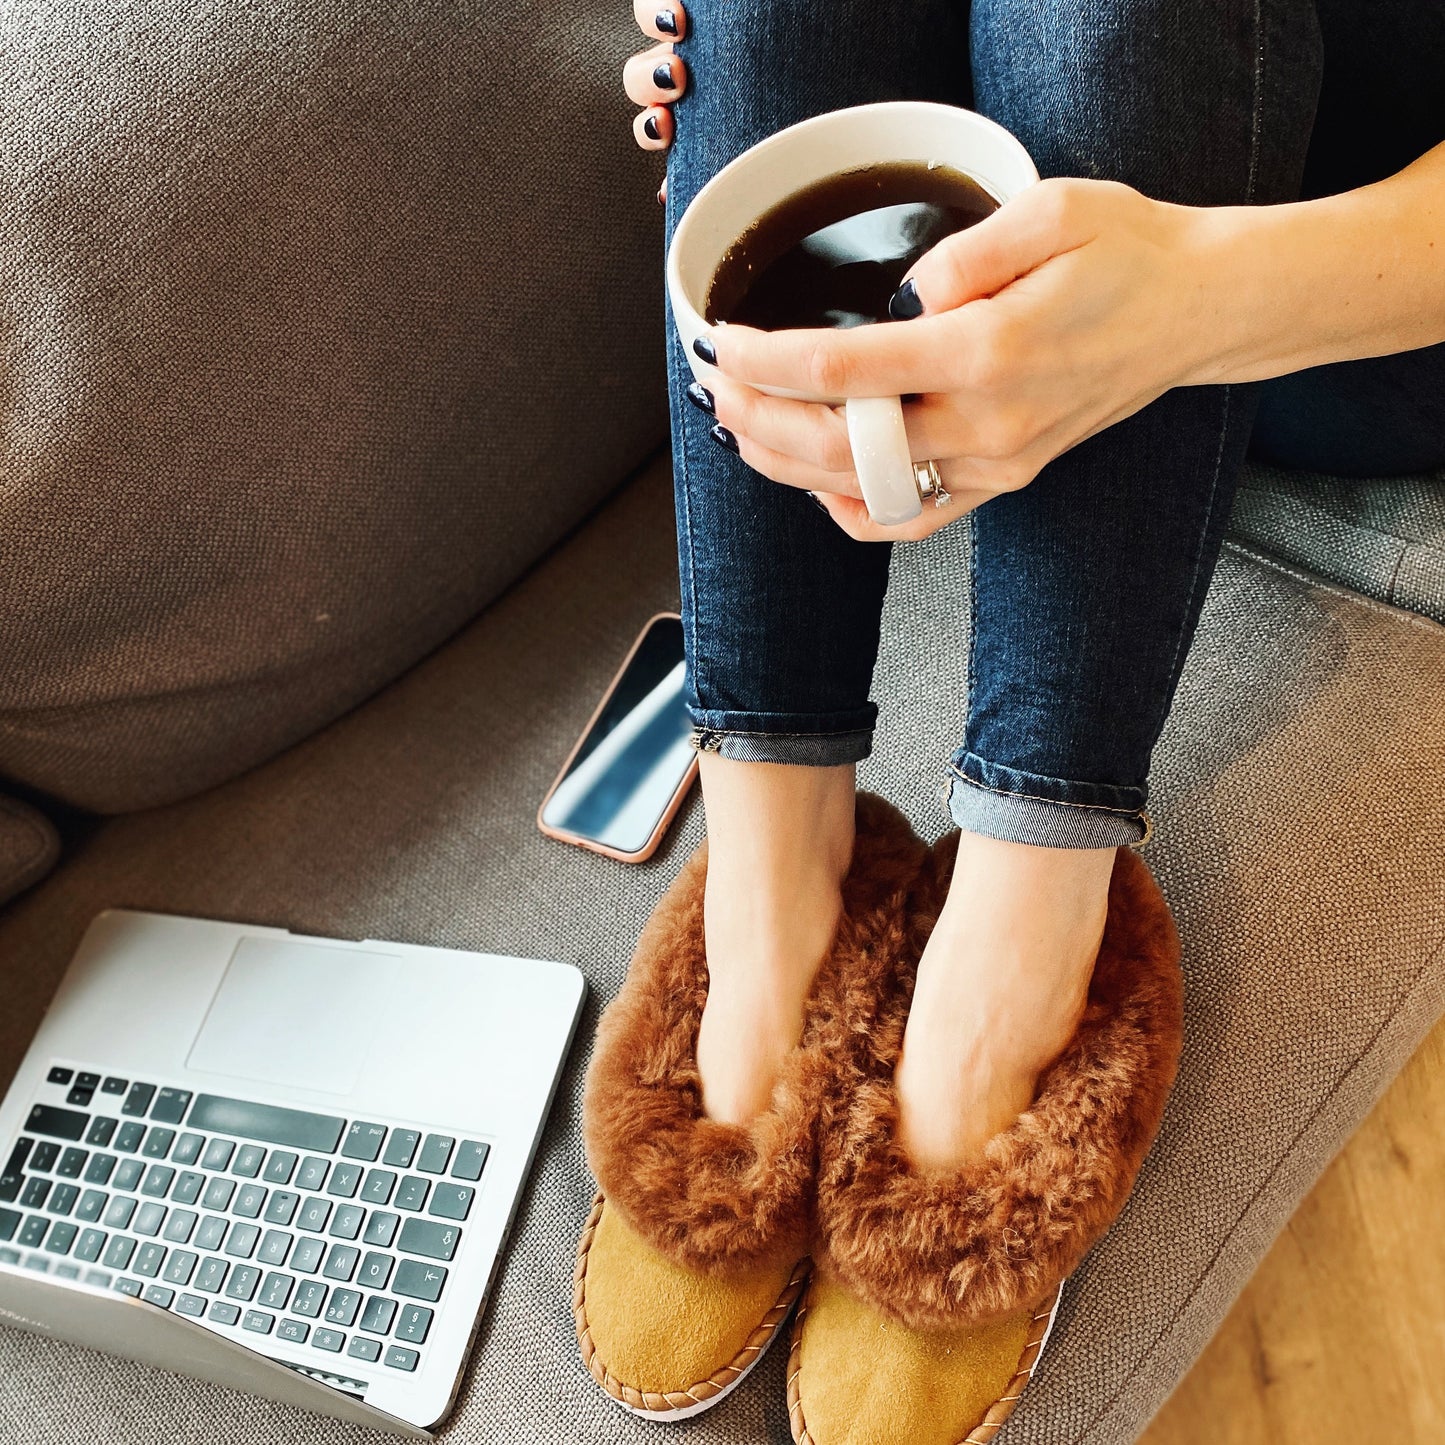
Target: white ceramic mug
(776,168)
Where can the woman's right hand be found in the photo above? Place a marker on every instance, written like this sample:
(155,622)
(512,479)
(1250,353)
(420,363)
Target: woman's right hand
(655,77)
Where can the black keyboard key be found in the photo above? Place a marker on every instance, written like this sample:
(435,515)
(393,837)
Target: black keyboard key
(212,1275)
(158,1180)
(188,1149)
(56,1123)
(118,1215)
(341,1262)
(258,1322)
(90,1246)
(295,1331)
(420,1281)
(381,1230)
(211,1232)
(101,1131)
(471,1159)
(241,1241)
(362,1348)
(35,1193)
(32,1232)
(59,1075)
(375,1272)
(9,1223)
(80,1097)
(250,1200)
(310,1297)
(148,1259)
(180,1267)
(218,1194)
(346,1222)
(72,1163)
(67,1271)
(115,1086)
(290,1128)
(275,1246)
(315,1215)
(345,1181)
(378,1186)
(19,1154)
(243,1282)
(276,1291)
(148,1220)
(380,1312)
(129,1173)
(342,1307)
(62,1199)
(451,1201)
(138,1100)
(435,1241)
(436,1153)
(224,1313)
(84,1080)
(313,1173)
(364,1141)
(401,1358)
(191,1304)
(414,1323)
(99,1169)
(282,1208)
(180,1225)
(307,1256)
(188,1187)
(128,1137)
(170,1106)
(158,1294)
(279,1167)
(45,1157)
(61,1237)
(10,1187)
(401,1149)
(218,1155)
(8,1255)
(158,1143)
(249,1159)
(132,1287)
(119,1251)
(412,1193)
(91,1207)
(329,1340)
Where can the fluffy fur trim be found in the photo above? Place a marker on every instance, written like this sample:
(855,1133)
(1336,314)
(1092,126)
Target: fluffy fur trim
(938,1248)
(716,1196)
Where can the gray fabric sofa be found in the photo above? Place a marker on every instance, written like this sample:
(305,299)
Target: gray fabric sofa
(331,376)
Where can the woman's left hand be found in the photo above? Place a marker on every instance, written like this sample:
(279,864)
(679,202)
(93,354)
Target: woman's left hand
(1068,309)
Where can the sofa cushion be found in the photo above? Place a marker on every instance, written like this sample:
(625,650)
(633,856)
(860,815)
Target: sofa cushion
(29,847)
(1301,851)
(302,357)
(1384,537)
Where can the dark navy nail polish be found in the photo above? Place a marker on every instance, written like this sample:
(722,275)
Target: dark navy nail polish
(662,76)
(723,437)
(905,304)
(813,498)
(704,348)
(701,397)
(650,129)
(666,21)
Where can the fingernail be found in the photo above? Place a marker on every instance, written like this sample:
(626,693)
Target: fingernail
(662,76)
(704,348)
(813,498)
(723,437)
(661,196)
(701,397)
(666,21)
(650,128)
(905,304)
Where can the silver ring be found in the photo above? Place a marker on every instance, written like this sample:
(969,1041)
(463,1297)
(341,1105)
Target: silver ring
(930,484)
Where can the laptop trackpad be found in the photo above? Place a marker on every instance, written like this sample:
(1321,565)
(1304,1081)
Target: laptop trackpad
(296,1013)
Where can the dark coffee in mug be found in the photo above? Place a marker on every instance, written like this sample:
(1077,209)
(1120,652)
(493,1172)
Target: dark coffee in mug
(835,252)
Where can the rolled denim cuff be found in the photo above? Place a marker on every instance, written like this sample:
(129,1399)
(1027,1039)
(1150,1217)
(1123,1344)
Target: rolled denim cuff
(818,741)
(1027,808)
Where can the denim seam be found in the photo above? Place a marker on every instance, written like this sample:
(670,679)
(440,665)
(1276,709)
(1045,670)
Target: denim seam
(972,621)
(790,733)
(1039,797)
(1261,41)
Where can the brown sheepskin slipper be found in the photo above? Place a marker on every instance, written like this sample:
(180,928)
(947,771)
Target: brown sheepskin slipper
(708,1195)
(934,1249)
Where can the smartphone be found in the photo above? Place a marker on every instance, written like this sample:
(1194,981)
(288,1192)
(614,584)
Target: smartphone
(633,764)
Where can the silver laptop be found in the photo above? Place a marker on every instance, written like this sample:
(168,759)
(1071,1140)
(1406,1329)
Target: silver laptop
(283,1163)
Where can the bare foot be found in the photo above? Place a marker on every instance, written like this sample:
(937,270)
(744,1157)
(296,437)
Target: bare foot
(780,839)
(1002,985)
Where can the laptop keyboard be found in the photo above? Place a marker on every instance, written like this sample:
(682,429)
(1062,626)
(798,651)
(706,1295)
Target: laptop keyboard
(331,1233)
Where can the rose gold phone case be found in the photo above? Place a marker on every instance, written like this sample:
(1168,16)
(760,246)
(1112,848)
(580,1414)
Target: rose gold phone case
(650,847)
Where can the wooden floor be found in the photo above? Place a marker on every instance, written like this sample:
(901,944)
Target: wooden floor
(1340,1337)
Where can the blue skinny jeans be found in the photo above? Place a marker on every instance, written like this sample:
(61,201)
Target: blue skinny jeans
(1087,584)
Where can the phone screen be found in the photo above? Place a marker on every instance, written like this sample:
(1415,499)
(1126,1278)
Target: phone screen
(635,756)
